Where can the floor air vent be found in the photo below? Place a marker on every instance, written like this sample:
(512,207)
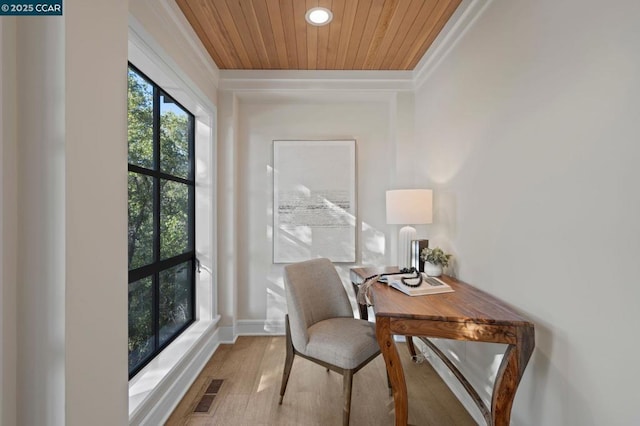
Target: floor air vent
(207,399)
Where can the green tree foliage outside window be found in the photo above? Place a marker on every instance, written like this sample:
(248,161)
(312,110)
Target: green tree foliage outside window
(161,219)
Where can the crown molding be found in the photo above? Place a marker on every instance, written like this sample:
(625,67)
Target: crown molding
(311,80)
(462,19)
(178,18)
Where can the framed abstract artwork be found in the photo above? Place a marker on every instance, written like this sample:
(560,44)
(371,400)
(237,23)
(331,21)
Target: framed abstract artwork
(314,200)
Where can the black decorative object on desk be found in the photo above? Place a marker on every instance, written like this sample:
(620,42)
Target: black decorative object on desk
(417,246)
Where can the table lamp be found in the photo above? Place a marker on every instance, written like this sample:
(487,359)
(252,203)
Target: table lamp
(408,207)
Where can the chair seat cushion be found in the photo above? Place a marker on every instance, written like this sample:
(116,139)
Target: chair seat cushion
(343,342)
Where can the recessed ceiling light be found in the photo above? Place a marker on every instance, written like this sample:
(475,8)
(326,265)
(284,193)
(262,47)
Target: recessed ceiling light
(318,16)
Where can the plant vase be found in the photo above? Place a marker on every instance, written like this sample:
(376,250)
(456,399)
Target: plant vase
(432,269)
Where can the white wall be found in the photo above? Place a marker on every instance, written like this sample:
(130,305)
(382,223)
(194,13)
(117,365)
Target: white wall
(8,222)
(227,208)
(528,132)
(95,153)
(63,146)
(40,284)
(368,118)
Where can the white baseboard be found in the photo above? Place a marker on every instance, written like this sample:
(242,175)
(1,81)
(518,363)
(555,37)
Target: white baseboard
(259,328)
(226,335)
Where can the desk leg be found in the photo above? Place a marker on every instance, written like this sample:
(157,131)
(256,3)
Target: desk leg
(394,369)
(509,374)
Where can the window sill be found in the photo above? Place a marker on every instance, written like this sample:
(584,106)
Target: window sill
(157,380)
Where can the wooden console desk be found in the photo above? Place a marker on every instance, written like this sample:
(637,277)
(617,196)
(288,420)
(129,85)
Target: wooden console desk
(466,314)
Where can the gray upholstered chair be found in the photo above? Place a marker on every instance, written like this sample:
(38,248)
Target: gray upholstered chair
(320,325)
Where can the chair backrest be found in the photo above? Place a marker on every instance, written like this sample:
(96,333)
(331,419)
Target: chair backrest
(314,293)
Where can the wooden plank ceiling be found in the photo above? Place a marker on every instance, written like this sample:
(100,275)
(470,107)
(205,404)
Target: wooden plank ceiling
(273,34)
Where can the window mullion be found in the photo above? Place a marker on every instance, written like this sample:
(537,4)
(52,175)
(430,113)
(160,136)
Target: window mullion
(175,178)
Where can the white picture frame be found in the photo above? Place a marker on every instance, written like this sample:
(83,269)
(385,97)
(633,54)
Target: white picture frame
(314,200)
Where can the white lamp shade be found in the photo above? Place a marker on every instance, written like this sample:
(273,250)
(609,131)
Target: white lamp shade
(409,206)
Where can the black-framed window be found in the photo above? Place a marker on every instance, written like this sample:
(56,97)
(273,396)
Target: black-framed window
(161,229)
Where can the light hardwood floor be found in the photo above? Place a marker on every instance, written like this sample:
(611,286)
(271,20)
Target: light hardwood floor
(252,370)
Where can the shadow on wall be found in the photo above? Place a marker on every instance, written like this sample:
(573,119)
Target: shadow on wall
(479,362)
(276,301)
(372,251)
(307,225)
(541,374)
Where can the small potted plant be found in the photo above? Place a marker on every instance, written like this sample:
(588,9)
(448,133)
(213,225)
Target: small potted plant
(434,260)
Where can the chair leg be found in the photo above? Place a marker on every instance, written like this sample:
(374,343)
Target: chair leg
(411,347)
(288,362)
(347,383)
